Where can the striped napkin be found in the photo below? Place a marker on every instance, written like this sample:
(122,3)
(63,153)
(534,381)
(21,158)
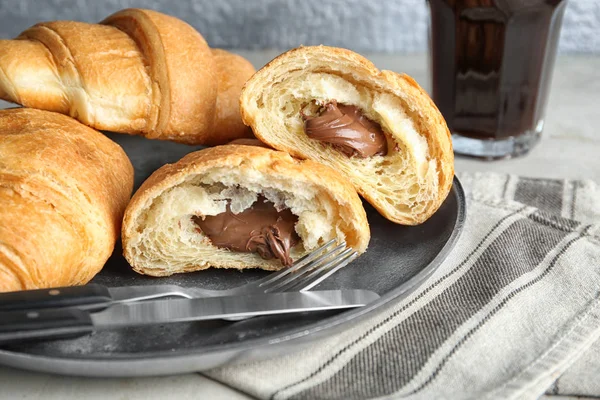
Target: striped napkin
(513,307)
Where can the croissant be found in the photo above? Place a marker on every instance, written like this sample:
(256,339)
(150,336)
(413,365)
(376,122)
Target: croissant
(63,190)
(378,128)
(137,72)
(238,206)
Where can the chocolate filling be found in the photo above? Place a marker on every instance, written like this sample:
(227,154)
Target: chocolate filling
(346,128)
(259,229)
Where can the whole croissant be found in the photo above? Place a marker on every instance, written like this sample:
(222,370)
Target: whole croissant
(137,72)
(57,228)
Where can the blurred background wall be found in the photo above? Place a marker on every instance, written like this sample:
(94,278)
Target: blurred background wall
(386,26)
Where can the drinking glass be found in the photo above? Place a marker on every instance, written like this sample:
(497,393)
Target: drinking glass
(491,64)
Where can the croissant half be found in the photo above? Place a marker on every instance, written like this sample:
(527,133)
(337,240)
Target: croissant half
(162,229)
(408,178)
(137,72)
(63,190)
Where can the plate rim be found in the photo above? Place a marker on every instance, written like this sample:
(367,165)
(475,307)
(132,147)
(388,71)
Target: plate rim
(236,351)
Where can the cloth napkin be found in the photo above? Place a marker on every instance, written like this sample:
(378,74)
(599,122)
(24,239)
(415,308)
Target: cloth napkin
(515,304)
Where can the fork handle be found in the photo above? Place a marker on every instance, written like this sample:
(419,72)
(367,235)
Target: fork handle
(90,297)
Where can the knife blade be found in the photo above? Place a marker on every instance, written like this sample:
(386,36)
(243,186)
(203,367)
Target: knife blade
(73,322)
(201,309)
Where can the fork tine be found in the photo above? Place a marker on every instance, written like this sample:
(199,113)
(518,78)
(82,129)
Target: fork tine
(321,272)
(274,276)
(326,272)
(315,270)
(306,268)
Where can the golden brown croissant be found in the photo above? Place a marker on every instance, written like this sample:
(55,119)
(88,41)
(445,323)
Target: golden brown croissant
(137,72)
(63,190)
(238,206)
(378,128)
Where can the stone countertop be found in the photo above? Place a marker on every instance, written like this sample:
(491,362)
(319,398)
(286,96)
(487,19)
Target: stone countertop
(570,148)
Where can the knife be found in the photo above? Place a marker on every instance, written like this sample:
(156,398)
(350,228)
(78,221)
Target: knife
(55,323)
(95,297)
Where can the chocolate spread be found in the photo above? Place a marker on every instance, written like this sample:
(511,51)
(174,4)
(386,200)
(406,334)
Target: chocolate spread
(347,129)
(259,229)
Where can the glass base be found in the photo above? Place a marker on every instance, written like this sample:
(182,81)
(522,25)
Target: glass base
(513,146)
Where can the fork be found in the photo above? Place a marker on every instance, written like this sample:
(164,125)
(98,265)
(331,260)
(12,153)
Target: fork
(306,273)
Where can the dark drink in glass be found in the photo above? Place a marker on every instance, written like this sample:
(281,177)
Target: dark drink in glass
(491,63)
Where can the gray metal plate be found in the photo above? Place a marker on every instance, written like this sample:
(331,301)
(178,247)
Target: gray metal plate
(398,260)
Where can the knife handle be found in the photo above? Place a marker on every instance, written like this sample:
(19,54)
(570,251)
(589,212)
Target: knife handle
(19,326)
(90,297)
